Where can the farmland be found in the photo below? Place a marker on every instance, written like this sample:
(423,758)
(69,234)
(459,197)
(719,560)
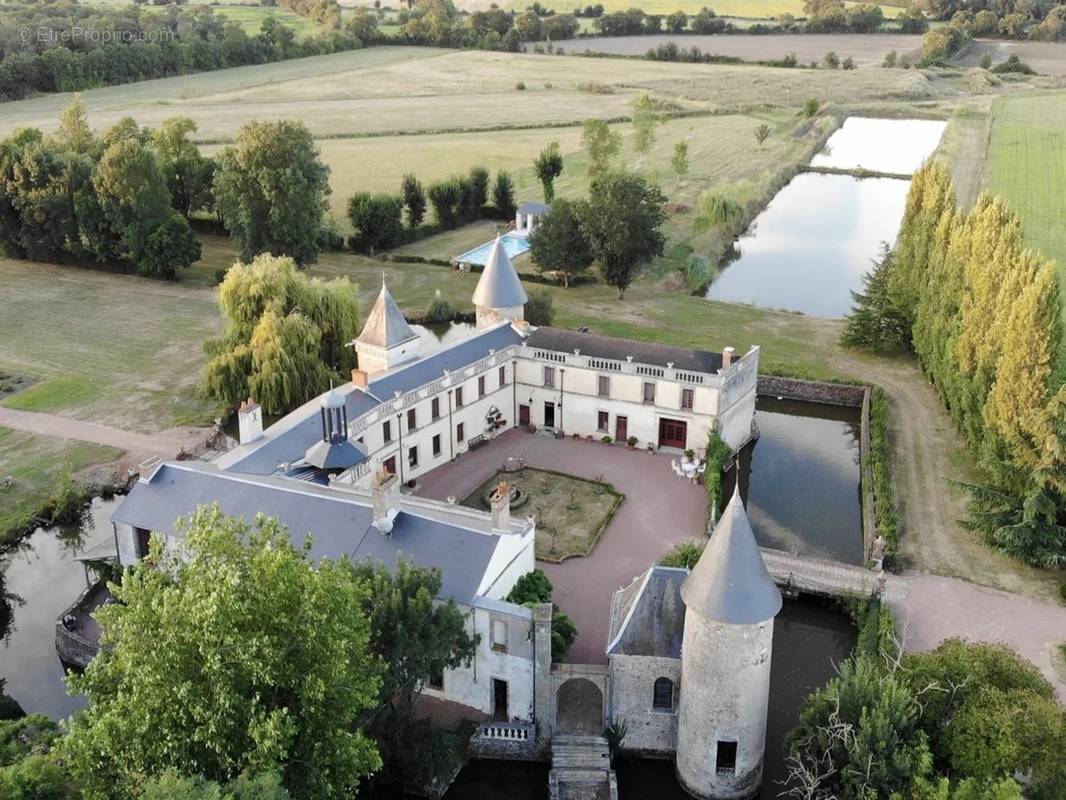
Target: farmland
(1027,167)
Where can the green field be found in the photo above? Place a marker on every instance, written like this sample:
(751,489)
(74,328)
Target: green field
(251,18)
(1027,167)
(33,463)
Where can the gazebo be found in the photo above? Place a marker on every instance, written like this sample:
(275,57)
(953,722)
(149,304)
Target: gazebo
(527,217)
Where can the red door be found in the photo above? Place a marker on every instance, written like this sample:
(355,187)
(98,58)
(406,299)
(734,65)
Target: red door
(523,415)
(673,433)
(621,425)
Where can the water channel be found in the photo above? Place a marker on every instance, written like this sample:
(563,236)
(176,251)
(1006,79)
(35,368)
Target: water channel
(808,250)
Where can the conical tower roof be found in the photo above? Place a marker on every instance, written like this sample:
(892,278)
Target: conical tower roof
(499,286)
(730,582)
(385,326)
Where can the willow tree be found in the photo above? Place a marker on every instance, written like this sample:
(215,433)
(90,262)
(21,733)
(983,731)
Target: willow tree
(285,335)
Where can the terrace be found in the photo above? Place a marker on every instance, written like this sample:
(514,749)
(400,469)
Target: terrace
(634,538)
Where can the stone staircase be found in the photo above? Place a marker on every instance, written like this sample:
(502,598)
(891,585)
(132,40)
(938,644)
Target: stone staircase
(581,769)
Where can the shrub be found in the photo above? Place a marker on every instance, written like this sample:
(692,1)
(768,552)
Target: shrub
(632,441)
(520,86)
(831,60)
(810,108)
(534,588)
(890,59)
(684,554)
(503,194)
(1014,65)
(717,453)
(414,198)
(986,60)
(440,310)
(606,439)
(445,197)
(540,308)
(698,272)
(67,500)
(377,220)
(848,63)
(592,87)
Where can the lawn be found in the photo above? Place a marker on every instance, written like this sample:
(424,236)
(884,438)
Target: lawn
(1027,167)
(571,512)
(112,348)
(33,463)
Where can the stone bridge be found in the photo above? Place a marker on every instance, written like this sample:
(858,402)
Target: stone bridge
(820,576)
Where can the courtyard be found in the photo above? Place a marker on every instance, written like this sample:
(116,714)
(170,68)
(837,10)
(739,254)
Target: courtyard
(635,537)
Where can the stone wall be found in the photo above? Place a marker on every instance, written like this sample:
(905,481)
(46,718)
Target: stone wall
(650,732)
(837,394)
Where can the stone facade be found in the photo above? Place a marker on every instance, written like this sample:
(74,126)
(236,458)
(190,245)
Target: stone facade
(651,726)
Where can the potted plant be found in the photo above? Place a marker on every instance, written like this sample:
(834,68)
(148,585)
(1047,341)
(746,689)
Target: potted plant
(606,440)
(651,447)
(631,442)
(690,454)
(575,436)
(588,438)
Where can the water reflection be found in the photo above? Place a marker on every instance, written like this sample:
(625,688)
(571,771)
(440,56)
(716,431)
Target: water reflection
(884,145)
(811,246)
(438,335)
(43,572)
(801,479)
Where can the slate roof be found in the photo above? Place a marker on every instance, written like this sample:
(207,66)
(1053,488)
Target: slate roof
(730,582)
(599,346)
(425,370)
(385,325)
(288,439)
(499,286)
(648,616)
(530,207)
(338,523)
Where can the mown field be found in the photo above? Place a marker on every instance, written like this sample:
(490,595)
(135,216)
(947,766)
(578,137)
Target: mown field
(422,90)
(251,18)
(1027,167)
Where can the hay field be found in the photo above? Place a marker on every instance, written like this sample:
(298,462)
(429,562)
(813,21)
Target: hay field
(1027,167)
(867,50)
(390,89)
(1047,58)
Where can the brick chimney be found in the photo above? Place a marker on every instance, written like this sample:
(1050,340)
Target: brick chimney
(500,503)
(385,489)
(249,421)
(359,378)
(727,356)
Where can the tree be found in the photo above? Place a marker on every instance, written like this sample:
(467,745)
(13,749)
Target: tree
(377,220)
(540,308)
(260,662)
(548,167)
(172,786)
(533,589)
(528,26)
(285,335)
(859,737)
(503,194)
(679,162)
(270,190)
(362,23)
(602,145)
(558,243)
(706,22)
(623,225)
(676,22)
(414,198)
(475,192)
(135,200)
(445,197)
(645,118)
(684,554)
(187,173)
(876,323)
(762,132)
(74,131)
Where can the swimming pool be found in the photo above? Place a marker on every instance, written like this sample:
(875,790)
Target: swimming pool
(513,243)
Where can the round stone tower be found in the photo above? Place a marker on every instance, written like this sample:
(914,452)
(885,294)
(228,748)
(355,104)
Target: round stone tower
(730,605)
(499,294)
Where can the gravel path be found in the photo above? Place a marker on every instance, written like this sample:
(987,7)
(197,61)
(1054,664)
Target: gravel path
(930,609)
(138,446)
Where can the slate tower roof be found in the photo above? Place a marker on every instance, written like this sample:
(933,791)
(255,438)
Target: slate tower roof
(385,326)
(499,286)
(730,582)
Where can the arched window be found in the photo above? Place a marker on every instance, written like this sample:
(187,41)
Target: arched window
(663,695)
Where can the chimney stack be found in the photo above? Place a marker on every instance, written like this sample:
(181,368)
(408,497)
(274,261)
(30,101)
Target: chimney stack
(386,493)
(359,378)
(727,356)
(249,421)
(500,503)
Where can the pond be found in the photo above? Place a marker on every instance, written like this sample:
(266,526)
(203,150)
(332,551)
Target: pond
(813,243)
(801,479)
(44,576)
(882,145)
(810,247)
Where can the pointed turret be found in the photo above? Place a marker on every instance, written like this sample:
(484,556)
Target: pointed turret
(499,294)
(386,340)
(730,605)
(730,582)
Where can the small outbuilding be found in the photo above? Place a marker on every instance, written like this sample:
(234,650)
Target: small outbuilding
(527,216)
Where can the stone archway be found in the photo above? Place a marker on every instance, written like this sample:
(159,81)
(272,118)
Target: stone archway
(579,707)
